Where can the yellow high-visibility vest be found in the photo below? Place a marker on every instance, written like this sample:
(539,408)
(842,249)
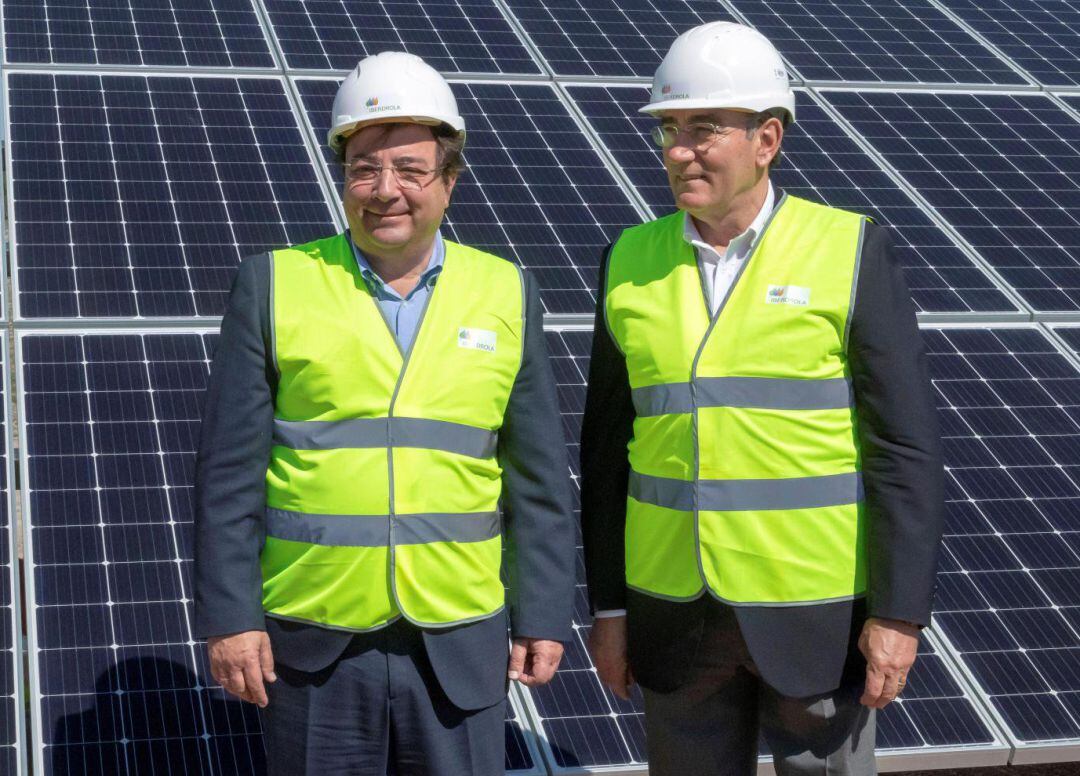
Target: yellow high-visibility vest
(383,486)
(745,468)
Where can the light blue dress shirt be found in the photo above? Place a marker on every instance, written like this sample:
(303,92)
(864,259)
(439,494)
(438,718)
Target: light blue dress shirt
(403,314)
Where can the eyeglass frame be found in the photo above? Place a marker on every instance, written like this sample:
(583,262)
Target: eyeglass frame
(395,172)
(657,133)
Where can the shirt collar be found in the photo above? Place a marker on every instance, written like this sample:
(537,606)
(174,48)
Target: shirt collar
(738,245)
(434,267)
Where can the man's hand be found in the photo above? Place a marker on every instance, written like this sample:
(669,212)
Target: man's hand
(889,647)
(533,661)
(607,645)
(241,662)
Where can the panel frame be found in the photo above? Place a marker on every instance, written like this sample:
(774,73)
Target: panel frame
(15,314)
(16,563)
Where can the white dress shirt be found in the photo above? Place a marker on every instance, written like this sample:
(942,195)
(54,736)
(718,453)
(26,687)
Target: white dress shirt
(718,271)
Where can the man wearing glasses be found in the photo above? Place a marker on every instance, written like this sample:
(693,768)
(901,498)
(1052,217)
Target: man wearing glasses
(762,495)
(372,397)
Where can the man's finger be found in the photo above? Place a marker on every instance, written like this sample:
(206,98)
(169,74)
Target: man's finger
(875,680)
(889,691)
(256,691)
(266,661)
(517,661)
(234,683)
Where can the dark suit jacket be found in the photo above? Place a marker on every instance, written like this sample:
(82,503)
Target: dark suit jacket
(469,660)
(799,650)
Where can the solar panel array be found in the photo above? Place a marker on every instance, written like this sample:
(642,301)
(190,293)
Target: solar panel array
(150,146)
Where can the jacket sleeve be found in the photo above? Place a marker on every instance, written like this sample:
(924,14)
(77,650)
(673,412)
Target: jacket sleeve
(900,439)
(606,429)
(540,553)
(230,468)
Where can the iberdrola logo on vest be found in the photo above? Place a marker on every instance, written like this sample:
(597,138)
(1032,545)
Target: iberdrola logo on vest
(798,296)
(477,339)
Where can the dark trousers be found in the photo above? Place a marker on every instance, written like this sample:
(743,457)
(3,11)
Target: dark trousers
(710,726)
(377,709)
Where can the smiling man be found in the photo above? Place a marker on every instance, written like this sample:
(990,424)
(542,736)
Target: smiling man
(372,397)
(762,496)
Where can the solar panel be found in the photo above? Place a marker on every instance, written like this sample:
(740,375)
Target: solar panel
(536,191)
(1042,36)
(902,41)
(136,196)
(110,425)
(466,36)
(163,33)
(583,725)
(12,753)
(1003,169)
(1008,598)
(608,37)
(822,163)
(111,422)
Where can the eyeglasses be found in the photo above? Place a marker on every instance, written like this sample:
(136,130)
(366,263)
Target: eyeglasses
(702,134)
(407,176)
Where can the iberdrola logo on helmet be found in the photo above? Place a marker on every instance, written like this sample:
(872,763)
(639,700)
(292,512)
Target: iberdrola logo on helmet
(372,102)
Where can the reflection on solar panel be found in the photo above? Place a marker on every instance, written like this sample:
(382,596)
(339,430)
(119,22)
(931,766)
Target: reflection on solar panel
(110,424)
(137,196)
(1009,579)
(194,33)
(608,37)
(1003,169)
(902,41)
(1042,36)
(585,725)
(11,698)
(521,755)
(536,191)
(468,36)
(822,163)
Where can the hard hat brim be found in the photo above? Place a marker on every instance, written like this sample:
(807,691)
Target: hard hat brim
(339,135)
(692,103)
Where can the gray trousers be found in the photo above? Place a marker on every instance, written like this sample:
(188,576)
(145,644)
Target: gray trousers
(711,725)
(378,709)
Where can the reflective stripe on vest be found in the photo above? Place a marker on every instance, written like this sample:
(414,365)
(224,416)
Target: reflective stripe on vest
(745,477)
(383,487)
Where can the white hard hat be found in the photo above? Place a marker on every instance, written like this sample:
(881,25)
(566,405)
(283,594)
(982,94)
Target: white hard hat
(722,65)
(391,85)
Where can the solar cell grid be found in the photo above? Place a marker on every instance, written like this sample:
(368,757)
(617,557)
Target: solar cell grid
(586,726)
(607,37)
(1042,36)
(465,36)
(160,33)
(110,424)
(822,163)
(1003,169)
(136,196)
(1008,599)
(906,41)
(536,192)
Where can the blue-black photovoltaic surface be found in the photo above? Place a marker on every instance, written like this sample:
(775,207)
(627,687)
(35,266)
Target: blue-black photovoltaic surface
(536,191)
(112,423)
(1004,170)
(608,37)
(819,162)
(157,33)
(111,426)
(465,36)
(137,196)
(1041,36)
(585,725)
(11,704)
(1009,578)
(906,41)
